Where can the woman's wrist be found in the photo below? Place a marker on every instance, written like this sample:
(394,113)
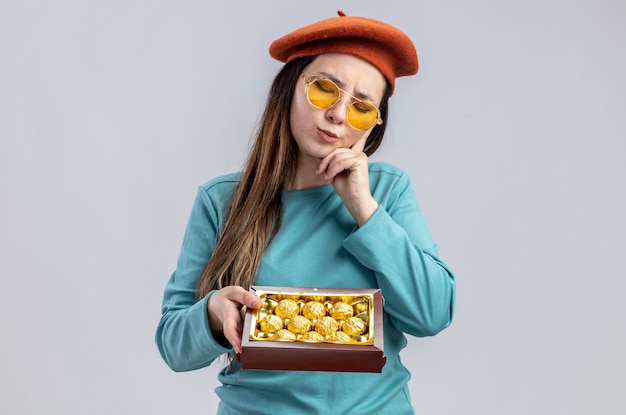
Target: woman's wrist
(215,325)
(362,212)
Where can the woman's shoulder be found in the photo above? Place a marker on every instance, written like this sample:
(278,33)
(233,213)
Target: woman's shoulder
(224,183)
(383,168)
(387,177)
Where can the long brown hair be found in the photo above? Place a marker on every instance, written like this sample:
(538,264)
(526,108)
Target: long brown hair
(255,213)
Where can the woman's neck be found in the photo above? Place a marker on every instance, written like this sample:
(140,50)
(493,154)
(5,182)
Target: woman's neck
(305,176)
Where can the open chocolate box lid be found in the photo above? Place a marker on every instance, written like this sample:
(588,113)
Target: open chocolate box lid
(314,329)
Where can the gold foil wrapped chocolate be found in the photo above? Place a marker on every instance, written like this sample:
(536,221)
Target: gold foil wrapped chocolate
(326,326)
(313,310)
(299,324)
(287,308)
(284,335)
(341,310)
(312,336)
(353,326)
(340,337)
(271,323)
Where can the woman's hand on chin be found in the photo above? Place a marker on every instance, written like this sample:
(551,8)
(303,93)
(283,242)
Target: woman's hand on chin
(348,171)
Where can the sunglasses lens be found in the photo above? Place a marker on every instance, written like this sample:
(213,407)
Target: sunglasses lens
(323,93)
(362,115)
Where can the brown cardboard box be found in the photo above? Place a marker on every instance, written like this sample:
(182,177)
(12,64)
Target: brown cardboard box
(365,354)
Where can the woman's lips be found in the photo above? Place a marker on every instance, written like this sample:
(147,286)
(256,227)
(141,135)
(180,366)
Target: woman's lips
(328,136)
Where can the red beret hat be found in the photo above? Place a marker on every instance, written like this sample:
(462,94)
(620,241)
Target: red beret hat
(384,46)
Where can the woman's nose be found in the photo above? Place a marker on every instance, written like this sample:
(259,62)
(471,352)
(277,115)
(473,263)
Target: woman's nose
(337,113)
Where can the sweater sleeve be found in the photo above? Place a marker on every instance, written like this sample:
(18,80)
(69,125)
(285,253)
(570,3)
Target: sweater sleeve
(418,288)
(183,335)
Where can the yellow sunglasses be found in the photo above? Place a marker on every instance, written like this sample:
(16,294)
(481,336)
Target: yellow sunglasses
(323,93)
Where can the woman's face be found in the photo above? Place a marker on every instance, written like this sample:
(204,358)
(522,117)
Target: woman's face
(319,131)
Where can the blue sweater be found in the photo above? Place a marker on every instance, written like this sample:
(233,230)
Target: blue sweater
(318,245)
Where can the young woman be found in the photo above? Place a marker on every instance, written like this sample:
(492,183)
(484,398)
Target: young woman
(309,210)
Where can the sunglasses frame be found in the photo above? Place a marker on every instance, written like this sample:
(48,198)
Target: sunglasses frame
(355,100)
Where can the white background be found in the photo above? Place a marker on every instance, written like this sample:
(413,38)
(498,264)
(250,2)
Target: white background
(113,112)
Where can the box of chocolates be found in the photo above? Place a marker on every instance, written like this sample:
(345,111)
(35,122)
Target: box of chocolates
(314,329)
